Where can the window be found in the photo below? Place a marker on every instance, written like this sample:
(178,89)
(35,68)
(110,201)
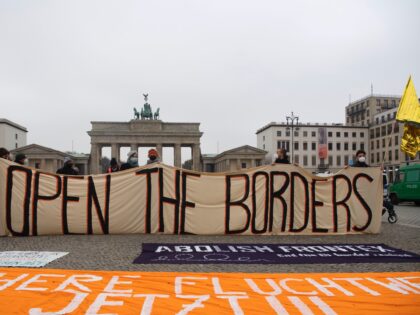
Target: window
(377,157)
(313,160)
(346,160)
(362,135)
(305,146)
(338,160)
(396,140)
(372,145)
(393,103)
(353,134)
(329,146)
(372,133)
(305,160)
(287,133)
(386,103)
(338,134)
(383,143)
(354,146)
(383,131)
(346,146)
(313,145)
(296,145)
(296,133)
(16,136)
(397,127)
(279,133)
(378,102)
(329,134)
(243,165)
(346,134)
(377,120)
(305,133)
(367,113)
(297,159)
(390,155)
(372,157)
(263,138)
(396,155)
(362,146)
(313,134)
(377,144)
(338,146)
(377,132)
(263,146)
(283,144)
(388,117)
(330,160)
(16,145)
(413,176)
(389,129)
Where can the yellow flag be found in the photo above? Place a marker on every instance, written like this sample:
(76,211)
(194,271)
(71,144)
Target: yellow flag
(410,142)
(409,108)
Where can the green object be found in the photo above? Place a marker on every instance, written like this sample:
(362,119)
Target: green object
(406,186)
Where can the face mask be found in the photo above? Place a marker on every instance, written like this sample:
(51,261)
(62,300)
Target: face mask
(362,159)
(133,161)
(152,157)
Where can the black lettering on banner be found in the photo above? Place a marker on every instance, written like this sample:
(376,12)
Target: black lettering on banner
(66,199)
(184,202)
(229,203)
(38,197)
(341,202)
(169,200)
(148,172)
(254,202)
(27,199)
(92,196)
(302,178)
(316,203)
(278,194)
(362,201)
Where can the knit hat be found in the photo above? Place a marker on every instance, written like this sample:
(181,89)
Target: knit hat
(153,152)
(67,159)
(131,153)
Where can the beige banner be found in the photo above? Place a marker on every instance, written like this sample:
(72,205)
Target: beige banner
(270,200)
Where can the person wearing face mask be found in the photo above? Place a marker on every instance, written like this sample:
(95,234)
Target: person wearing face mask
(68,167)
(360,159)
(21,159)
(281,157)
(132,161)
(153,156)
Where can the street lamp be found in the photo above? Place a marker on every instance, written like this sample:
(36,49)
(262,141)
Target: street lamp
(290,120)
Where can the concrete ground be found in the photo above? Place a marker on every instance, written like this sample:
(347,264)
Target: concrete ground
(117,252)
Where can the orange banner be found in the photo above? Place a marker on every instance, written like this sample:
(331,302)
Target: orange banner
(48,291)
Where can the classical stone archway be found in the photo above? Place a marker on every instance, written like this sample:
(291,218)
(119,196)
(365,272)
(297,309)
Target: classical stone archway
(144,133)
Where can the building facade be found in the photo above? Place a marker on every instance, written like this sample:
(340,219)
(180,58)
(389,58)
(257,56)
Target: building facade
(233,160)
(385,135)
(12,135)
(303,144)
(49,160)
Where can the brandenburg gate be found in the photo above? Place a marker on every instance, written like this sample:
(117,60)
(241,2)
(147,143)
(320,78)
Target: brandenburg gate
(147,131)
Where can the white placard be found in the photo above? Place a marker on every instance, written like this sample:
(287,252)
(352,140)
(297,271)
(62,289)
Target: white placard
(28,258)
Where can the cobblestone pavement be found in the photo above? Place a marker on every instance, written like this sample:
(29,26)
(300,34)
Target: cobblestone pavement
(408,215)
(117,252)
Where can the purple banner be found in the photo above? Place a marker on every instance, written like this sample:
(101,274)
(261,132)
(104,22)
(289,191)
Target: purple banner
(154,253)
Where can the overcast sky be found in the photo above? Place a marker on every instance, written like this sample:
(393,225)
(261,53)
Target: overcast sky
(232,65)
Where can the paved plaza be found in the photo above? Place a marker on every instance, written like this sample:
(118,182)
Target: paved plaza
(117,252)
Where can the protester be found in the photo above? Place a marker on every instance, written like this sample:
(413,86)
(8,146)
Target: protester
(153,156)
(68,168)
(282,157)
(21,159)
(113,166)
(132,161)
(4,154)
(360,159)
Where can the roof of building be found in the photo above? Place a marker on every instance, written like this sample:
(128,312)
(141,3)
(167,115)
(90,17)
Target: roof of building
(310,125)
(13,124)
(32,146)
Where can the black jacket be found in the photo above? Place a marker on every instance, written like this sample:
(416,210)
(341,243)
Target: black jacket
(282,161)
(359,164)
(67,170)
